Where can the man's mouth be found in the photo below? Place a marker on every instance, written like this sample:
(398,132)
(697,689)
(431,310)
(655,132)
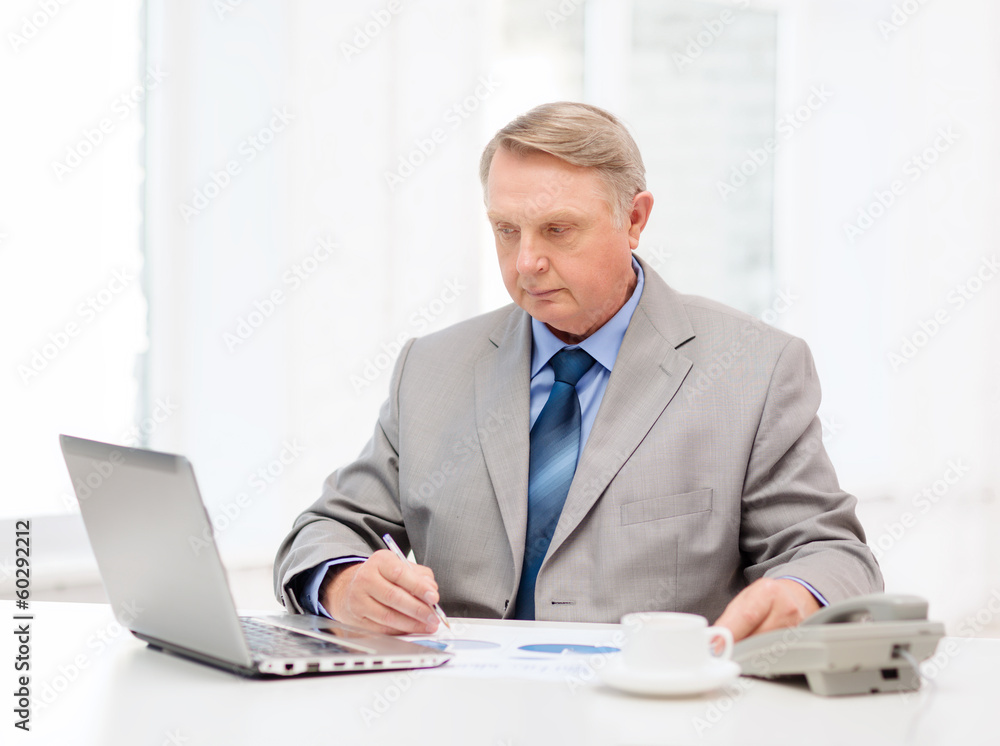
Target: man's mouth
(541,294)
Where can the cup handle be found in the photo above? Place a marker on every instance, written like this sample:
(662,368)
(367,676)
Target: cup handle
(727,638)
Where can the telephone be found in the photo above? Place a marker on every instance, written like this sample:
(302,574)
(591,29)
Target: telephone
(862,645)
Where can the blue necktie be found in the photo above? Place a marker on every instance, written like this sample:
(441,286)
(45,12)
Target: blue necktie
(554,451)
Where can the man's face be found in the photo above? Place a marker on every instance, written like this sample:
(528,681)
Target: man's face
(562,257)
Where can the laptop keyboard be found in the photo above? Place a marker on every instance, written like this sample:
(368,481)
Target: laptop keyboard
(275,642)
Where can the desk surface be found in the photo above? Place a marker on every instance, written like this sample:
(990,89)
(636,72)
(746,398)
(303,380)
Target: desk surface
(103,686)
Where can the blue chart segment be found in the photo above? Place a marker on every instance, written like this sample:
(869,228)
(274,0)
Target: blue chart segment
(450,645)
(436,644)
(559,648)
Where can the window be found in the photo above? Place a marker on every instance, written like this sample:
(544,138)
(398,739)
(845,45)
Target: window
(71,289)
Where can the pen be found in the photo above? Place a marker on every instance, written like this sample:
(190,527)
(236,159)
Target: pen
(394,548)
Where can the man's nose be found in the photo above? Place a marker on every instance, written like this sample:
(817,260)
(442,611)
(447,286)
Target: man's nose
(530,258)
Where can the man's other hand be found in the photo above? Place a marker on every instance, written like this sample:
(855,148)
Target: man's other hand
(768,604)
(383,594)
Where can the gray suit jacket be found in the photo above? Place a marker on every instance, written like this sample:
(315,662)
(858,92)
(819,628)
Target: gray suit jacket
(704,471)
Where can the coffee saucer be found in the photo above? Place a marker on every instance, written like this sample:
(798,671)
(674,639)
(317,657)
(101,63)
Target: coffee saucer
(713,675)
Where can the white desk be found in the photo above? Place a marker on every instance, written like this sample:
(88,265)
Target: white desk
(113,690)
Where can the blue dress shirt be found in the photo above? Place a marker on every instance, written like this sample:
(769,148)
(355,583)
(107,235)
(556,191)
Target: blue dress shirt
(602,345)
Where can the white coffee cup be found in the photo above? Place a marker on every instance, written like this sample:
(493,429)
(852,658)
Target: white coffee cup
(671,642)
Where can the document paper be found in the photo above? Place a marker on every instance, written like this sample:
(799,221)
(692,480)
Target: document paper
(553,653)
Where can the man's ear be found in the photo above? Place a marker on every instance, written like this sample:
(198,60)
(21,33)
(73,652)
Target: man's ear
(642,205)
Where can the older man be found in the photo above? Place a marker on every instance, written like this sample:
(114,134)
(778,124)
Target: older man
(602,446)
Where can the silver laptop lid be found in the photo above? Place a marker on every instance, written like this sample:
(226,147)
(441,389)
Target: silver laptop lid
(148,527)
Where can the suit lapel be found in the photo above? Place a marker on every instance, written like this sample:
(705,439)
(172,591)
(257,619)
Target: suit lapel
(647,374)
(503,392)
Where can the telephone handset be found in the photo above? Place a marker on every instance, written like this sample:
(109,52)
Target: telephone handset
(877,607)
(858,646)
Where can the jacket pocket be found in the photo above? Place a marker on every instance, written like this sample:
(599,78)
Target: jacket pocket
(666,506)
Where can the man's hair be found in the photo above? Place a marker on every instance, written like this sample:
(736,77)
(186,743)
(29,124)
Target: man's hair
(582,135)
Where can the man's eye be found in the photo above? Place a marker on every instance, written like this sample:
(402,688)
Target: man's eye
(558,229)
(506,231)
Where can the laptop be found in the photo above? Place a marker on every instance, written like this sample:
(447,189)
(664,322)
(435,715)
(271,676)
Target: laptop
(163,575)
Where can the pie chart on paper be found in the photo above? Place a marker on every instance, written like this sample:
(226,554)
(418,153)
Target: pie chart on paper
(455,645)
(560,648)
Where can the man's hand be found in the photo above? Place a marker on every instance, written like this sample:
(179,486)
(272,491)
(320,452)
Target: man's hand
(383,594)
(768,604)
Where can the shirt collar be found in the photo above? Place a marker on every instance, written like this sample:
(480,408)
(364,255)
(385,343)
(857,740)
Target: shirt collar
(602,345)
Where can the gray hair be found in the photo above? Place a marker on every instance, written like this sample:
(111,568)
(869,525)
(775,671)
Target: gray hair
(582,135)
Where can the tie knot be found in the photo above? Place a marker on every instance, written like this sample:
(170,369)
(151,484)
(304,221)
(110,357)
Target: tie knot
(570,365)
